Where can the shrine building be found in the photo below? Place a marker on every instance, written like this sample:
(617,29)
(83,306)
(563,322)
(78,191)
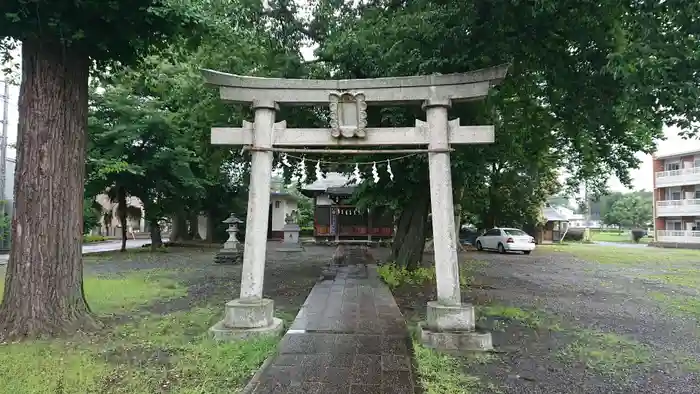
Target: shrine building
(336,219)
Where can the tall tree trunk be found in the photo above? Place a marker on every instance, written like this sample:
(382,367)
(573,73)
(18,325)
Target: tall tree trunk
(210,226)
(409,242)
(122,211)
(194,226)
(156,238)
(44,281)
(179,230)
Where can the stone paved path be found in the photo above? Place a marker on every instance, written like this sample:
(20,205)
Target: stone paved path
(349,337)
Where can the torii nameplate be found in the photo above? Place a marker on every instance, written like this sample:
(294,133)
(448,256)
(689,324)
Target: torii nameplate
(348,114)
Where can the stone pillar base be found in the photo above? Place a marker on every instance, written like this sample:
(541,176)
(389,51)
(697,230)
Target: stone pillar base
(230,257)
(248,318)
(451,328)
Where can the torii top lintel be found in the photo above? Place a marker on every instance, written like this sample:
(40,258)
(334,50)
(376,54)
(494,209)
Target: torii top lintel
(472,85)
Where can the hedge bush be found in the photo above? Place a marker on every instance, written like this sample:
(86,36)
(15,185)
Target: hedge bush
(574,234)
(88,239)
(638,234)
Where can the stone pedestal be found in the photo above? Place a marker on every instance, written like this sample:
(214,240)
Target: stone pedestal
(245,318)
(291,238)
(451,328)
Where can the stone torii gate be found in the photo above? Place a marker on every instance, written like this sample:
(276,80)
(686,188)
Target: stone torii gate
(348,100)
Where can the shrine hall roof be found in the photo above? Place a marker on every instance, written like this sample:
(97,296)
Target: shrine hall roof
(283,195)
(333,183)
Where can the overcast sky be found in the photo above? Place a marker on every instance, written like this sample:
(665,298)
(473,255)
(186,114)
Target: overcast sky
(642,177)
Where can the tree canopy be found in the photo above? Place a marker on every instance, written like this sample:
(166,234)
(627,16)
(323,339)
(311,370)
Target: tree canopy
(583,94)
(631,210)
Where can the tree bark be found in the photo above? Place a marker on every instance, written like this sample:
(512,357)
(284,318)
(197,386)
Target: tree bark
(44,281)
(194,226)
(411,232)
(122,212)
(179,230)
(210,226)
(156,238)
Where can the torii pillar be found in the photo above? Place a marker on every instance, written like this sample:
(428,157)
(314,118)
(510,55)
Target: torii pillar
(450,323)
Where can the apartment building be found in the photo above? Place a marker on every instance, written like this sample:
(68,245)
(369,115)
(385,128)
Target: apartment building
(677,198)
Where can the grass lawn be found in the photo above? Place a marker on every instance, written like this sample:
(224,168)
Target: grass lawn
(440,373)
(138,351)
(625,255)
(623,237)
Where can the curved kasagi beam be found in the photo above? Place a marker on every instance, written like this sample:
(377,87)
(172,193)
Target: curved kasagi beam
(472,85)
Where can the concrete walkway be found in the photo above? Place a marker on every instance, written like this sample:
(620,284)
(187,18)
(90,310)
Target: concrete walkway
(349,337)
(98,247)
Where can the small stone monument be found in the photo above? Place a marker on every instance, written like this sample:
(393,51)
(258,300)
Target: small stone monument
(232,252)
(291,234)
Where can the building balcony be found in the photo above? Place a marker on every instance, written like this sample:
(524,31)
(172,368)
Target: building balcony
(684,176)
(688,207)
(678,236)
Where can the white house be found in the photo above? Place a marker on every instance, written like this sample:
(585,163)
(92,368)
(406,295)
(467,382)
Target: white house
(113,227)
(282,203)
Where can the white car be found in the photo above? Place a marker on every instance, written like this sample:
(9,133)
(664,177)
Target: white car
(506,240)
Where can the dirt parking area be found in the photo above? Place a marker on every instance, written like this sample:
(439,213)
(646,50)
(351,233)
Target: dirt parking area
(582,319)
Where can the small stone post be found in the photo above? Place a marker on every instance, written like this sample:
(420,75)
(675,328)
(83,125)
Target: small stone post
(450,324)
(251,314)
(232,252)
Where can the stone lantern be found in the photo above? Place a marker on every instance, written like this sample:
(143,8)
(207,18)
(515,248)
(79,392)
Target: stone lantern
(232,252)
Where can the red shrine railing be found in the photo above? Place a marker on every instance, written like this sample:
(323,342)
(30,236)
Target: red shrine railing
(345,220)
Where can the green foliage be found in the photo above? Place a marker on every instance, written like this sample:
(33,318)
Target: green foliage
(89,238)
(91,215)
(574,234)
(607,353)
(637,235)
(4,219)
(602,204)
(579,95)
(135,145)
(440,373)
(97,28)
(150,123)
(395,276)
(630,211)
(305,207)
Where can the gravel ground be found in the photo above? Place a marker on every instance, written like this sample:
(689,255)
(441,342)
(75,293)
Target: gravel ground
(561,324)
(584,295)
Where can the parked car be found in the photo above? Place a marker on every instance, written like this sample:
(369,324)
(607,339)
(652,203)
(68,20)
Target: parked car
(506,240)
